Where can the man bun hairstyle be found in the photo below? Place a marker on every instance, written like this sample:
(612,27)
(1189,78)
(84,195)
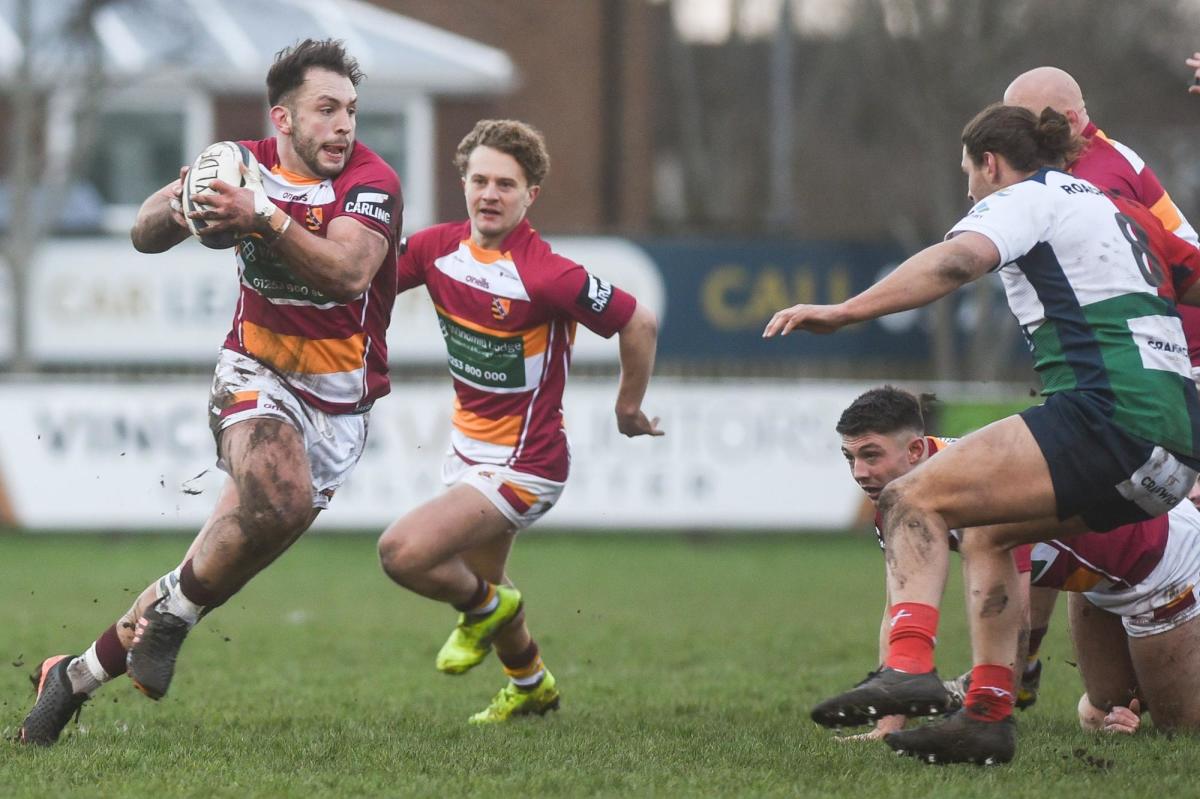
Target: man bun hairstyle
(884,410)
(1026,141)
(522,141)
(291,65)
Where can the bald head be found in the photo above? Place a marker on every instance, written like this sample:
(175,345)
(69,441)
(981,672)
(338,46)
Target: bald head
(1049,86)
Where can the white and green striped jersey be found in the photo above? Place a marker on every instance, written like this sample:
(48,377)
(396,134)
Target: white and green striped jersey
(1082,278)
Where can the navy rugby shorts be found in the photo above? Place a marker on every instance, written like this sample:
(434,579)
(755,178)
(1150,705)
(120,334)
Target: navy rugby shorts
(1100,472)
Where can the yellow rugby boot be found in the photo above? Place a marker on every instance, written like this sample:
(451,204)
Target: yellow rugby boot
(472,639)
(512,701)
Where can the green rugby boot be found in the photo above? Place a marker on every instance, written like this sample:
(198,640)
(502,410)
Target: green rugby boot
(512,701)
(472,639)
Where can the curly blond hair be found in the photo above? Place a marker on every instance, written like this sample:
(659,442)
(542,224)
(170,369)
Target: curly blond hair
(522,141)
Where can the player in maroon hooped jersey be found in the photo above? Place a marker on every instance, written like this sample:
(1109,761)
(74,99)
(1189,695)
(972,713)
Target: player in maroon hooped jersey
(305,359)
(508,308)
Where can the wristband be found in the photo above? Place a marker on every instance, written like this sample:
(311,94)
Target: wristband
(275,231)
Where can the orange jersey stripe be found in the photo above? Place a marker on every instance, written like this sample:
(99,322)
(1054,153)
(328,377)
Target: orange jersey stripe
(1081,580)
(486,256)
(536,338)
(294,178)
(304,355)
(1167,213)
(504,431)
(244,396)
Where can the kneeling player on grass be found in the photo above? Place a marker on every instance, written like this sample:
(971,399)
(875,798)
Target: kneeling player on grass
(883,438)
(508,307)
(1133,617)
(1133,611)
(1117,440)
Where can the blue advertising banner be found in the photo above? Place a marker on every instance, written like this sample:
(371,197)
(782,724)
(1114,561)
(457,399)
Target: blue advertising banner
(721,292)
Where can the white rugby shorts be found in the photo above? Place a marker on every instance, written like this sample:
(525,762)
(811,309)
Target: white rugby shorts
(1167,598)
(523,498)
(245,389)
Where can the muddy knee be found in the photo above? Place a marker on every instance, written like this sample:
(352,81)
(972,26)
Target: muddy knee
(269,518)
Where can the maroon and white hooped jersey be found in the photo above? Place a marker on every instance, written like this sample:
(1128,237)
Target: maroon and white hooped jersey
(508,317)
(1146,572)
(332,355)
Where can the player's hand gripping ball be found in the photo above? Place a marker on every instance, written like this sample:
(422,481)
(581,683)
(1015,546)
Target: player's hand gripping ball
(219,161)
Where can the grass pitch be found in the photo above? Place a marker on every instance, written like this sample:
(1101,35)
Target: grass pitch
(687,666)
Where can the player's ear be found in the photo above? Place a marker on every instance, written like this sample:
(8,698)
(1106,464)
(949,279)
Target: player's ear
(534,191)
(281,118)
(916,449)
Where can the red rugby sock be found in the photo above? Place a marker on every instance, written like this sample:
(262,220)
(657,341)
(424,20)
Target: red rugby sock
(912,638)
(990,697)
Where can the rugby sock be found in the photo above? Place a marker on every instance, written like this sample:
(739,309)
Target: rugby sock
(990,697)
(912,637)
(482,602)
(525,669)
(103,660)
(188,598)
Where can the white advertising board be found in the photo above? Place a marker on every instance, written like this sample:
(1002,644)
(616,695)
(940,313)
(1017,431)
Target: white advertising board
(99,301)
(7,344)
(750,455)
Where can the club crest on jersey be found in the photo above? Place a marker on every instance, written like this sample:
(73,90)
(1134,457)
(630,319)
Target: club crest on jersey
(313,217)
(500,308)
(595,294)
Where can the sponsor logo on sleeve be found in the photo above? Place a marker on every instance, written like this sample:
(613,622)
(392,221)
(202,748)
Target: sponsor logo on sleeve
(595,294)
(370,203)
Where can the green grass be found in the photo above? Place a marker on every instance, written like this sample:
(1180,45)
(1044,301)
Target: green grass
(687,667)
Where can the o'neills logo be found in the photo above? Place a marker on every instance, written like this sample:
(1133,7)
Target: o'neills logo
(371,203)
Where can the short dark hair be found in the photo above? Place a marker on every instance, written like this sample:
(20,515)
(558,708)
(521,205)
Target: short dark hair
(884,410)
(292,64)
(1026,141)
(522,141)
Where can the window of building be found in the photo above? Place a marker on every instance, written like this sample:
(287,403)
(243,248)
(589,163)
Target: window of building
(135,153)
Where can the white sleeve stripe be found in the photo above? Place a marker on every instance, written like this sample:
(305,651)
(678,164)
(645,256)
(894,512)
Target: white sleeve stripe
(1133,158)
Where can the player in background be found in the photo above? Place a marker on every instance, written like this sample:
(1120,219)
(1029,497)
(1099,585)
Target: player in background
(1110,165)
(883,437)
(304,361)
(1117,440)
(508,307)
(1194,63)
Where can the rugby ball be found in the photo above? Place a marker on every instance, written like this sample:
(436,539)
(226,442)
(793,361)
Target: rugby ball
(219,161)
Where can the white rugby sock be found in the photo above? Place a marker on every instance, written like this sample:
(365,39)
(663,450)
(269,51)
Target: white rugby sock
(180,606)
(86,673)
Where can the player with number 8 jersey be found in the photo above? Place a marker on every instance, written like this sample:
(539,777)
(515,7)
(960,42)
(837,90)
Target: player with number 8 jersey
(1093,323)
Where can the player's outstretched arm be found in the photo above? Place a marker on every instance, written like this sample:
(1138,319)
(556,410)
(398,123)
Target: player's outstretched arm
(160,224)
(929,275)
(638,340)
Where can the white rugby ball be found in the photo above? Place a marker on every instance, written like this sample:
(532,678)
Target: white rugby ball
(218,161)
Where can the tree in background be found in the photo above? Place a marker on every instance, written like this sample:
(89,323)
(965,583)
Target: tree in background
(876,109)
